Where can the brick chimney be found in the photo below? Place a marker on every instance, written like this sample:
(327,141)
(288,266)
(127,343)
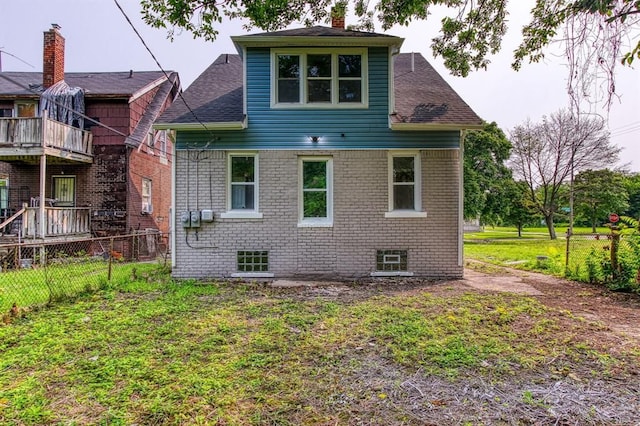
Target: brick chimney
(53,57)
(337,17)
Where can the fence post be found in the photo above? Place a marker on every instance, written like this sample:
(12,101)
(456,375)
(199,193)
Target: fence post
(110,259)
(615,243)
(567,253)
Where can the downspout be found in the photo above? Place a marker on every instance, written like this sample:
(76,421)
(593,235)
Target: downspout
(173,225)
(393,51)
(463,133)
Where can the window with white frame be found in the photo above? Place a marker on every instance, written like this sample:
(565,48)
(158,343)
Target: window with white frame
(316,191)
(147,206)
(405,189)
(161,143)
(242,186)
(320,77)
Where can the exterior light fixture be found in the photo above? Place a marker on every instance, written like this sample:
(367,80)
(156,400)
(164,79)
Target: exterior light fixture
(314,139)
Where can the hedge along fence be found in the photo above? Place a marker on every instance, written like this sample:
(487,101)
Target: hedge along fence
(610,259)
(37,274)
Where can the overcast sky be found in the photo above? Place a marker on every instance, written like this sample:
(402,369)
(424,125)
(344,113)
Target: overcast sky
(98,38)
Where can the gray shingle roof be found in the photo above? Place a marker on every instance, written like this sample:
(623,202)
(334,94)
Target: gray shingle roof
(98,84)
(214,97)
(168,89)
(317,31)
(422,96)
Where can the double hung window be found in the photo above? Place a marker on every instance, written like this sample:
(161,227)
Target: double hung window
(320,78)
(316,191)
(405,198)
(147,205)
(242,186)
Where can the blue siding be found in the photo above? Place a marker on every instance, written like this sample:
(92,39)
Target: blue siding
(338,128)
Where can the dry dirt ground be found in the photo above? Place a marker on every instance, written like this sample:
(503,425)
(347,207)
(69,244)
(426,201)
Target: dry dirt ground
(563,392)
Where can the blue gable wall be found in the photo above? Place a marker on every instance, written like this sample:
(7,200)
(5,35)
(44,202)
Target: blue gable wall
(291,128)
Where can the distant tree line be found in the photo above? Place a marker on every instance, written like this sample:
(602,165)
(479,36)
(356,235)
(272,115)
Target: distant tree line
(553,171)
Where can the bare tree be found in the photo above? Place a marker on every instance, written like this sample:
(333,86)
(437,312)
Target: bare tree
(547,155)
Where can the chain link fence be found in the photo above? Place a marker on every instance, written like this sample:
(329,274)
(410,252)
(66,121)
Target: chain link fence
(37,274)
(610,259)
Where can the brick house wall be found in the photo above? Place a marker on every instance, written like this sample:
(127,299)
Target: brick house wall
(348,248)
(142,164)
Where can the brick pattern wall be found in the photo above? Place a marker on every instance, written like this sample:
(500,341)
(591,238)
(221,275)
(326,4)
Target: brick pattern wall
(53,58)
(107,190)
(345,250)
(144,165)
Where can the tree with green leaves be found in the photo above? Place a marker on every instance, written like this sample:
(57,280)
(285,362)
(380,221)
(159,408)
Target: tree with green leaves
(598,193)
(593,32)
(547,155)
(632,186)
(520,211)
(485,173)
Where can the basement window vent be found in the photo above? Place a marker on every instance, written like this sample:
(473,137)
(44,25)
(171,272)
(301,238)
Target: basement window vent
(253,261)
(391,260)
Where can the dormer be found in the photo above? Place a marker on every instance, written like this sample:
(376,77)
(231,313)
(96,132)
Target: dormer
(317,67)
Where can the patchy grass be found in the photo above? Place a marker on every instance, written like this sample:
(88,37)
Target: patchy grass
(154,351)
(38,286)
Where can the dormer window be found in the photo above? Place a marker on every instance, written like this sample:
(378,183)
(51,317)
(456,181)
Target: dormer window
(318,78)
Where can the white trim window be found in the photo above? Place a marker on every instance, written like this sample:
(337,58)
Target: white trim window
(319,78)
(315,194)
(147,205)
(405,184)
(242,186)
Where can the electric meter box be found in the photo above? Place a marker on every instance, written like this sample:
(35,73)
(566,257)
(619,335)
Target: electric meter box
(195,218)
(206,215)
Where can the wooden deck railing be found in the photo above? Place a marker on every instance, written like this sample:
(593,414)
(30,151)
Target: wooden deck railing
(27,133)
(60,221)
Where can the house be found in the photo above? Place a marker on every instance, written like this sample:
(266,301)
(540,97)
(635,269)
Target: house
(318,153)
(78,155)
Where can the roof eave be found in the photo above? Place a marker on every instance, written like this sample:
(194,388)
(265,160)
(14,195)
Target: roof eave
(135,95)
(307,41)
(222,125)
(435,126)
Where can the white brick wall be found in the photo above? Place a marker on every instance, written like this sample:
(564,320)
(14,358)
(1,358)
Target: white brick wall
(345,250)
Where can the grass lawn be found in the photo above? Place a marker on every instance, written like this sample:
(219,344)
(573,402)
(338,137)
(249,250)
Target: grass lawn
(151,351)
(534,250)
(38,286)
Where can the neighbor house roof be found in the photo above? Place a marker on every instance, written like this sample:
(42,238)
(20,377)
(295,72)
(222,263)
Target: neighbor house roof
(95,84)
(422,98)
(100,85)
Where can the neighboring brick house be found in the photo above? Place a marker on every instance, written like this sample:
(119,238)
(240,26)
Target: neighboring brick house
(318,153)
(105,170)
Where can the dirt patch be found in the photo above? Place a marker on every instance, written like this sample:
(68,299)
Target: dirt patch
(564,391)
